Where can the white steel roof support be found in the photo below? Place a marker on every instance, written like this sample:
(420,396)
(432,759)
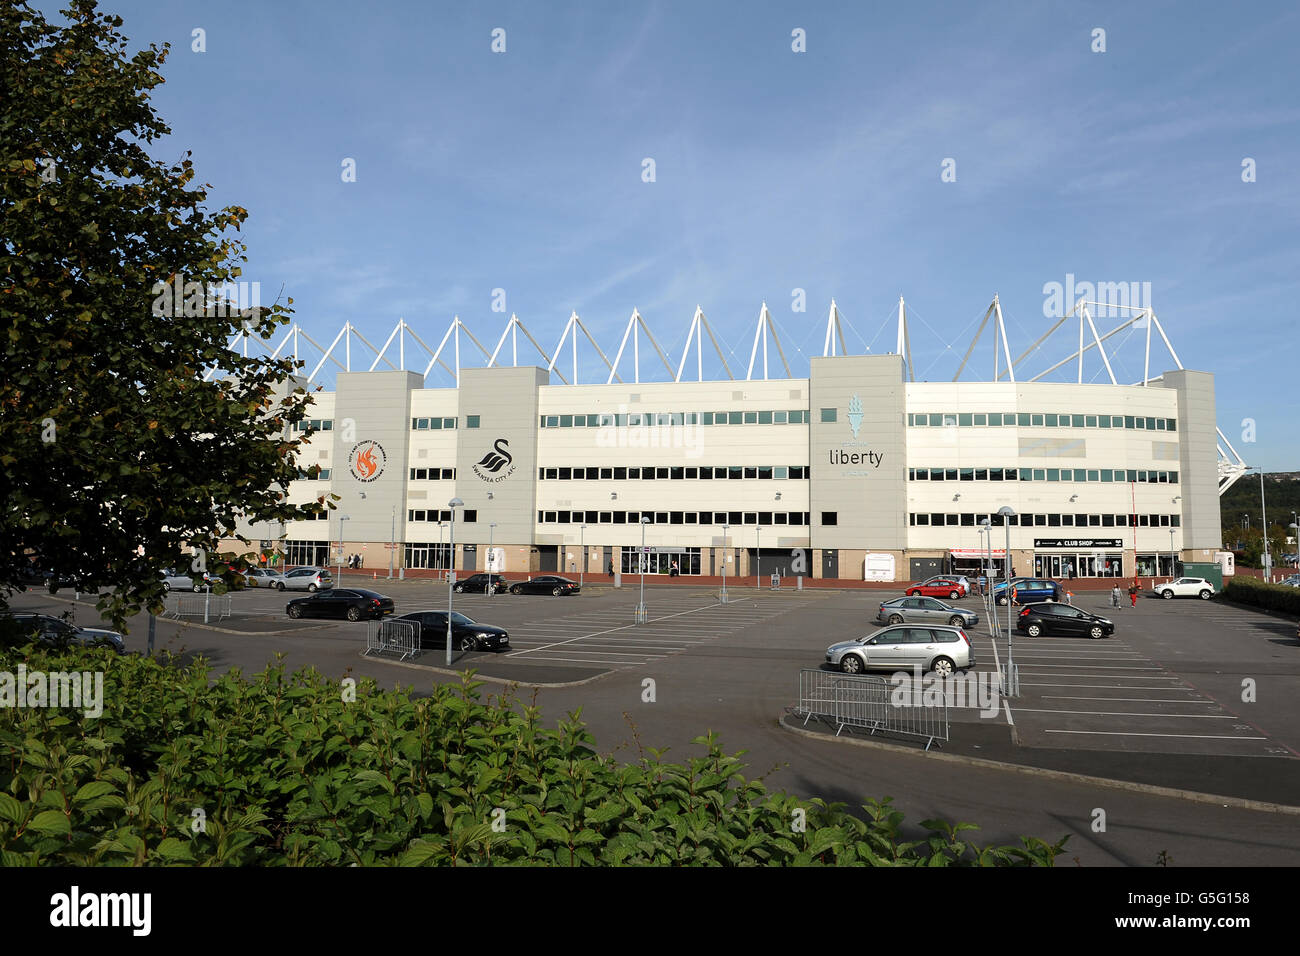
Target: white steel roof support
(764,328)
(635,325)
(975,341)
(574,326)
(1006,350)
(1100,348)
(833,331)
(904,347)
(513,327)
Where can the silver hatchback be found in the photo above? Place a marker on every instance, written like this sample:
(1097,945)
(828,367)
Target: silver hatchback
(307,579)
(941,650)
(924,610)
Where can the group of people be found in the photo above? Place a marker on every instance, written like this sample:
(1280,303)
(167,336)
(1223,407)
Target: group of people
(1116,599)
(354,561)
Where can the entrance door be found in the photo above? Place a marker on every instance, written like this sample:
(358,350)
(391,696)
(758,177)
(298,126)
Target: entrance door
(830,564)
(922,568)
(548,556)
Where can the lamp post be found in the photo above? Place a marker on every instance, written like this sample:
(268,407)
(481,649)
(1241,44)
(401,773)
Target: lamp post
(725,548)
(1173,561)
(342,518)
(986,529)
(451,582)
(392,543)
(640,608)
(582,546)
(758,559)
(1263,522)
(491,585)
(1007,513)
(437,558)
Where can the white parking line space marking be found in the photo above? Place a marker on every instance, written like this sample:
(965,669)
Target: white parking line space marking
(1116,733)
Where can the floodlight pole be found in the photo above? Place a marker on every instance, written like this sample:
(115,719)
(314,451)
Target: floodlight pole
(1007,513)
(451,578)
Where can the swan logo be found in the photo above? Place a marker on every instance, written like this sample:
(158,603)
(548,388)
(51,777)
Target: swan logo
(366,461)
(490,466)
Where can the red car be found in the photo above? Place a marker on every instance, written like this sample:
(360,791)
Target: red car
(938,587)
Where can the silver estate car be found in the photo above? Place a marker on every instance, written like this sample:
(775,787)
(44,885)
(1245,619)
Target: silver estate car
(924,610)
(902,647)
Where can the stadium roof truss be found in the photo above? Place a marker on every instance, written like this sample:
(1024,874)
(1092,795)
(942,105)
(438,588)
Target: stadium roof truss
(338,355)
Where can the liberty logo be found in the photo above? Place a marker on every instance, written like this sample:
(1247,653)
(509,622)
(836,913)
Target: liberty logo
(498,458)
(855,414)
(366,461)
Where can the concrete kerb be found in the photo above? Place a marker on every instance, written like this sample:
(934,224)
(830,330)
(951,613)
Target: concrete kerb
(1194,796)
(430,668)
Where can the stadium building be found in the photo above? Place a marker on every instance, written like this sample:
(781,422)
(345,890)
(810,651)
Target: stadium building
(856,472)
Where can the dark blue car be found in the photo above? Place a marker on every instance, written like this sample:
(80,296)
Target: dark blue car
(1030,591)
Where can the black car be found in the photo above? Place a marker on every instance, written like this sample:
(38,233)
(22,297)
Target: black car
(466,634)
(546,584)
(478,584)
(1038,619)
(58,633)
(352,603)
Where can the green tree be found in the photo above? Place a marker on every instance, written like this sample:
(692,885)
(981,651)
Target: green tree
(117,457)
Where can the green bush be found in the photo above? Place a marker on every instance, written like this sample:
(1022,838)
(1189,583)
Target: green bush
(1257,593)
(285,770)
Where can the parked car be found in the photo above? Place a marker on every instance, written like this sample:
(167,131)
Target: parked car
(941,650)
(947,587)
(264,578)
(58,633)
(308,579)
(545,584)
(466,633)
(1293,581)
(351,603)
(478,584)
(34,576)
(1029,591)
(1036,619)
(1186,587)
(183,581)
(924,610)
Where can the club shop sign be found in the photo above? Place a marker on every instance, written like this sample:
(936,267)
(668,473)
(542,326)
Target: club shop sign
(847,454)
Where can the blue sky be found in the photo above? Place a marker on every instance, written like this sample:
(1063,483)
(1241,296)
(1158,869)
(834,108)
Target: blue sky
(775,171)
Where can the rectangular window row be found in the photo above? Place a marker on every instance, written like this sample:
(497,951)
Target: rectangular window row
(735,518)
(314,424)
(433,474)
(691,473)
(1141,475)
(424,424)
(968,519)
(797,416)
(466,514)
(1037,419)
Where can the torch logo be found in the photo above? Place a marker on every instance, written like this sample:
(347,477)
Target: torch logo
(367,460)
(855,414)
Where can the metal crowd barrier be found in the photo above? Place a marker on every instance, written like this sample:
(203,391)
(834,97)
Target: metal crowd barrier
(393,637)
(866,702)
(210,607)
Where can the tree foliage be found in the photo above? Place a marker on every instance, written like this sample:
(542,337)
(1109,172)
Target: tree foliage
(117,457)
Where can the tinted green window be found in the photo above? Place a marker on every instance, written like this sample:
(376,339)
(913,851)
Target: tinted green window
(1076,421)
(1173,477)
(1051,421)
(936,474)
(779,418)
(1026,474)
(829,414)
(1040,474)
(1171,423)
(1103,421)
(449,423)
(765,418)
(1132,474)
(1151,424)
(593,421)
(1090,421)
(1093,475)
(1022,418)
(566,421)
(751,418)
(1053,474)
(995,418)
(708,418)
(781,471)
(1080,474)
(936,421)
(981,419)
(735,418)
(471,421)
(435,423)
(1129,422)
(964,419)
(1038,418)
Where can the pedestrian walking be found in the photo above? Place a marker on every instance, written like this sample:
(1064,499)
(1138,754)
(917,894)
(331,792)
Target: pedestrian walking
(611,569)
(1115,596)
(1133,593)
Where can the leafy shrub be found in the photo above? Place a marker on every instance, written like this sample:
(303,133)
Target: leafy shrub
(284,769)
(1273,597)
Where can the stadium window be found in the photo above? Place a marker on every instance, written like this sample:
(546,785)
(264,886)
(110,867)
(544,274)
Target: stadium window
(832,414)
(471,421)
(830,518)
(735,418)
